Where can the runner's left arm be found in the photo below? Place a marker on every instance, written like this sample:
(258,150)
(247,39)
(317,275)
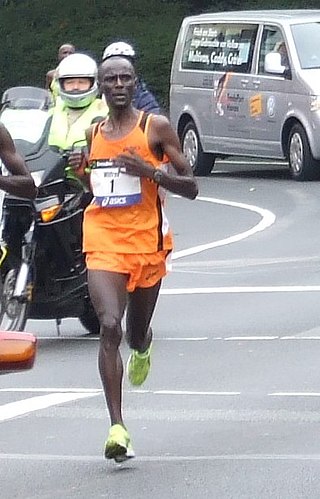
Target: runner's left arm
(161,134)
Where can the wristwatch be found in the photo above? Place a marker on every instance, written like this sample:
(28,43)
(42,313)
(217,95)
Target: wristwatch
(157,176)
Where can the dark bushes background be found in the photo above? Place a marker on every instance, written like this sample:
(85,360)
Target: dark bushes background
(32,30)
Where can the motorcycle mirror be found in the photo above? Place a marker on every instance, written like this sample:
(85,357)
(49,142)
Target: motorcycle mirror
(79,146)
(17,351)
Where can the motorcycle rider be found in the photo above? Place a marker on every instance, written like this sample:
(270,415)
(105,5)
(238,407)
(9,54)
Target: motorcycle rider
(18,182)
(78,105)
(51,80)
(143,99)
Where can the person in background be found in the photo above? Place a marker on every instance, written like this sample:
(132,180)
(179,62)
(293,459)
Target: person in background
(78,105)
(143,99)
(51,81)
(282,50)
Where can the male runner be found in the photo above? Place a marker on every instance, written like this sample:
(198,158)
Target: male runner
(126,233)
(143,98)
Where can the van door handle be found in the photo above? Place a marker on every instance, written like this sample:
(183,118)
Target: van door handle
(256,83)
(244,82)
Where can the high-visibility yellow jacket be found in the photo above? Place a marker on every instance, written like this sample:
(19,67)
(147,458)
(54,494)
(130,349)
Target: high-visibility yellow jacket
(54,88)
(63,136)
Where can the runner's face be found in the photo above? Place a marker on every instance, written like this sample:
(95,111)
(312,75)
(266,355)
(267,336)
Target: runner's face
(117,82)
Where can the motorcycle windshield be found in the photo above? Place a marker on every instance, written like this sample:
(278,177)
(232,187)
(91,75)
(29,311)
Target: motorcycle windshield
(26,114)
(25,124)
(25,111)
(26,98)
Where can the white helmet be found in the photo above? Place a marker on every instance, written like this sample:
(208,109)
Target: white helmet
(118,48)
(78,66)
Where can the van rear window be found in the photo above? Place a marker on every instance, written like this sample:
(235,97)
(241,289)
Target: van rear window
(219,47)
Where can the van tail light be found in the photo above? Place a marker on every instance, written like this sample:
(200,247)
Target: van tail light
(48,214)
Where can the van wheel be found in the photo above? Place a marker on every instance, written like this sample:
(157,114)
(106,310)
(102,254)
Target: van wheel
(302,164)
(200,162)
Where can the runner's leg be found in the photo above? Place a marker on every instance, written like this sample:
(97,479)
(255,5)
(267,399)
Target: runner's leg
(141,305)
(108,294)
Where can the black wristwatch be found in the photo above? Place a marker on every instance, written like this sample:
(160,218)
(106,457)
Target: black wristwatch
(157,176)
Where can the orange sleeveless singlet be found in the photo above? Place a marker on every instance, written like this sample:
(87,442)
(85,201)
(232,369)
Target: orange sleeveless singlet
(136,229)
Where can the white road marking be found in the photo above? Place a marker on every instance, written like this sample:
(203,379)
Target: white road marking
(251,163)
(182,392)
(294,394)
(268,218)
(239,289)
(162,458)
(65,395)
(21,407)
(83,391)
(87,392)
(201,338)
(63,337)
(300,338)
(96,338)
(231,263)
(263,338)
(251,338)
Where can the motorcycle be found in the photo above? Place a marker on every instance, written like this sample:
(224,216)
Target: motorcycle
(42,266)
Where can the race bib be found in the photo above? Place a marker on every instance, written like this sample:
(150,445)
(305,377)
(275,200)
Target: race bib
(112,187)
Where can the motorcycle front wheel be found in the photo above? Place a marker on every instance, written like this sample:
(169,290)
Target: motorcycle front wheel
(14,311)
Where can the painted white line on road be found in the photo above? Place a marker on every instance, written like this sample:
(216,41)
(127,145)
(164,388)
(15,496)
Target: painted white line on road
(182,392)
(294,394)
(96,338)
(263,338)
(193,339)
(239,289)
(84,391)
(231,263)
(268,218)
(21,407)
(200,338)
(251,163)
(64,338)
(251,338)
(300,338)
(162,458)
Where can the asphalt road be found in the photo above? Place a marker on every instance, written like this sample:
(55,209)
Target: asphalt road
(231,406)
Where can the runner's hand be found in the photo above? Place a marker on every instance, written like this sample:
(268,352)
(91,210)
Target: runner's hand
(75,159)
(133,164)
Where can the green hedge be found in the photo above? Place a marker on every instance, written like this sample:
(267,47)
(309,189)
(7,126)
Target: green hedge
(32,30)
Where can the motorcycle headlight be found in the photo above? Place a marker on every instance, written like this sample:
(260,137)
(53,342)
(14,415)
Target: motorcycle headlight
(48,214)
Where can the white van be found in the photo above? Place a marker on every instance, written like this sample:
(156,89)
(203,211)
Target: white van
(247,83)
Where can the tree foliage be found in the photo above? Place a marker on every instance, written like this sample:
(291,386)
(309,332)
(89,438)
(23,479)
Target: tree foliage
(32,31)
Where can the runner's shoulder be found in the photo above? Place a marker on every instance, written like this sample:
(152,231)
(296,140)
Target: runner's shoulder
(160,123)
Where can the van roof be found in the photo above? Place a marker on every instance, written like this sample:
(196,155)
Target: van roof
(283,16)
